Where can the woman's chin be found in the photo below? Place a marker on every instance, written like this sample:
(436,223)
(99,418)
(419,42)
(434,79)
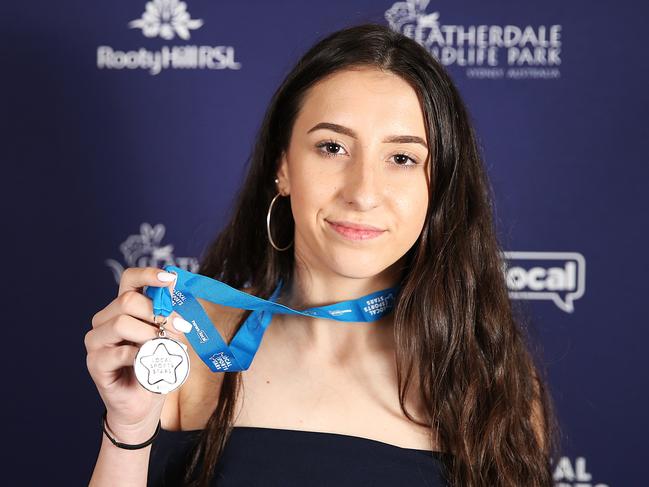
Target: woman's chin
(357,266)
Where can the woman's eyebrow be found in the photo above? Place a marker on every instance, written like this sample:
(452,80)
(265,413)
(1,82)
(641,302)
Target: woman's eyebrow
(392,139)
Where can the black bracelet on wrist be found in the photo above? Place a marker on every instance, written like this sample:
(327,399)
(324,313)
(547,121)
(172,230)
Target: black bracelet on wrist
(126,446)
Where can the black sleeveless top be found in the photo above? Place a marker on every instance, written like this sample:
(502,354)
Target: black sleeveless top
(258,456)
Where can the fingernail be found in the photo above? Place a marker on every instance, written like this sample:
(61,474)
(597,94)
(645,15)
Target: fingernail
(166,276)
(181,325)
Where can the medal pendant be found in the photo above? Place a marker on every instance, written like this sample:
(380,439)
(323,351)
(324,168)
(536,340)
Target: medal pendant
(162,364)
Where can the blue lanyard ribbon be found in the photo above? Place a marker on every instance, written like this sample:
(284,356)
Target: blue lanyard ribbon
(208,343)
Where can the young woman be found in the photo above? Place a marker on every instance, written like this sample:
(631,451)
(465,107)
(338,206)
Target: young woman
(367,164)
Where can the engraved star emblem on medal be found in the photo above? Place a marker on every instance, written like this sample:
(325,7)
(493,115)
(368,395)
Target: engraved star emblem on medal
(161,365)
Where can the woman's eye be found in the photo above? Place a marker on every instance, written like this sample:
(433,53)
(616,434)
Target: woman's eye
(329,145)
(404,159)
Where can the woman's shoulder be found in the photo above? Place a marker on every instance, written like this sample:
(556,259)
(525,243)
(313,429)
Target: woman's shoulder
(189,407)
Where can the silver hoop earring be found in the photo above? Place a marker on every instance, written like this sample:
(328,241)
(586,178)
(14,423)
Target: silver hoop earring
(270,209)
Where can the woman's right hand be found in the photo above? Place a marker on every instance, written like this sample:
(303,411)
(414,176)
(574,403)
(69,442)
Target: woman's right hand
(118,331)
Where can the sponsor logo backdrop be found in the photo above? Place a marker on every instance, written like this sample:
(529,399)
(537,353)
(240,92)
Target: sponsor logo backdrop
(126,131)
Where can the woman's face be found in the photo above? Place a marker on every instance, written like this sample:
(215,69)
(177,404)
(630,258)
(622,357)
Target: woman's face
(357,155)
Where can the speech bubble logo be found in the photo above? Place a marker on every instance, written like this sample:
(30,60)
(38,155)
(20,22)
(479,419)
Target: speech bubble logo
(556,276)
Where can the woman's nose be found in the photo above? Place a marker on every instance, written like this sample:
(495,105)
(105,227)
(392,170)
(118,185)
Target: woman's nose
(363,183)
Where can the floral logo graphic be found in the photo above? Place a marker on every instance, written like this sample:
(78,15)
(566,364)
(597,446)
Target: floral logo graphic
(410,18)
(144,250)
(166,18)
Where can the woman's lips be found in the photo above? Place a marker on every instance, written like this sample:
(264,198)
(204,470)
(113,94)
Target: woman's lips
(359,232)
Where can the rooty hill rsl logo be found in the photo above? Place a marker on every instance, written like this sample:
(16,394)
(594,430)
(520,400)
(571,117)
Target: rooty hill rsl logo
(167,19)
(487,51)
(145,250)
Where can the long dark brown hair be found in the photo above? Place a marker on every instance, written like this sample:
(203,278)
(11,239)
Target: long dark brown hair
(457,339)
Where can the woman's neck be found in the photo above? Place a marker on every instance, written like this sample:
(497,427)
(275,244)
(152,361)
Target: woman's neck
(309,289)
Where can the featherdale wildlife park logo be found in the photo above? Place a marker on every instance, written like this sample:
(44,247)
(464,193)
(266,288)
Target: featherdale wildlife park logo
(145,250)
(167,20)
(486,51)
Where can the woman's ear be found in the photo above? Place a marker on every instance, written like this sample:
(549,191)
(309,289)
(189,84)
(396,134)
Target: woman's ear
(283,182)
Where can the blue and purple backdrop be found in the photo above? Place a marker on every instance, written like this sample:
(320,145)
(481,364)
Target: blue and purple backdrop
(124,140)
